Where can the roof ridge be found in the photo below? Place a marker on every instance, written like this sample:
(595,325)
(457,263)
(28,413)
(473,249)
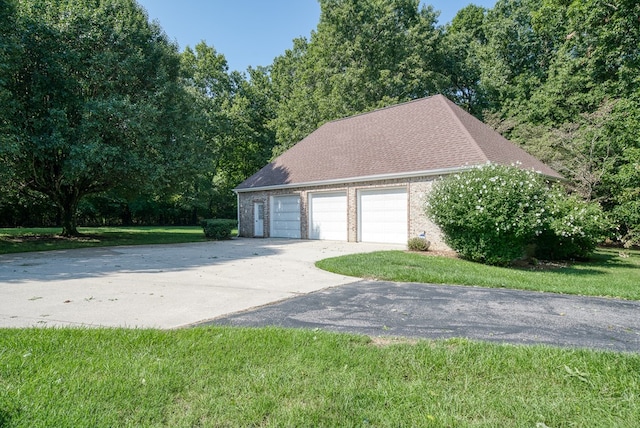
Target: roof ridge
(383,108)
(472,139)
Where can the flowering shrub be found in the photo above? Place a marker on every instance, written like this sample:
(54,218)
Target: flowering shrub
(491,213)
(574,227)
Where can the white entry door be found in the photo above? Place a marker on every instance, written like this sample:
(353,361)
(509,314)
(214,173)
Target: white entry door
(328,216)
(382,215)
(258,219)
(285,216)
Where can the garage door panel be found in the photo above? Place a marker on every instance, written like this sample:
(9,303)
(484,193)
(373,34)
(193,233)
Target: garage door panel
(383,215)
(285,216)
(328,216)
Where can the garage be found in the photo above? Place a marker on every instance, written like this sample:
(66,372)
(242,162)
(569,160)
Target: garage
(328,216)
(383,216)
(285,216)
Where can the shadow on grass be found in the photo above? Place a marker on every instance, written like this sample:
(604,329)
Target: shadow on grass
(43,240)
(597,264)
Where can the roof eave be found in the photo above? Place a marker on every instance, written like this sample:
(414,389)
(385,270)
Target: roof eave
(376,177)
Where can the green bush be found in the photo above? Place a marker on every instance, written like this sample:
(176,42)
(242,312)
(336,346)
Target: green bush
(418,244)
(218,228)
(573,227)
(489,214)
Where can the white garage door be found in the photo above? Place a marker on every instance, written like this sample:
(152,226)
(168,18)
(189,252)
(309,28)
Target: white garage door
(328,216)
(383,216)
(285,216)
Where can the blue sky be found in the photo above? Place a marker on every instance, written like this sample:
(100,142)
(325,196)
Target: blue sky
(253,32)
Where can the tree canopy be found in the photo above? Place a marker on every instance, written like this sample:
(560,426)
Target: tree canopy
(363,55)
(96,102)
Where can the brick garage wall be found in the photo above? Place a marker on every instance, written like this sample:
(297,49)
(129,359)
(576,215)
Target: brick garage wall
(417,191)
(418,195)
(246,203)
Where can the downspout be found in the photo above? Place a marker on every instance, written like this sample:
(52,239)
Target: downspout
(237,209)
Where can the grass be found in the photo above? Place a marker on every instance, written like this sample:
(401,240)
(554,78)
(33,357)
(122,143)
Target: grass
(610,272)
(273,377)
(17,240)
(217,376)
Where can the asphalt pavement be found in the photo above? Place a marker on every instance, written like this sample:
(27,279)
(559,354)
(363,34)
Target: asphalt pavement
(273,282)
(378,308)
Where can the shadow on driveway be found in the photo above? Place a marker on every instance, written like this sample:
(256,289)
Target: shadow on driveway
(98,262)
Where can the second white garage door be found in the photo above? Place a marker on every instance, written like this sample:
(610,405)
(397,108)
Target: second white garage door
(285,216)
(382,216)
(328,216)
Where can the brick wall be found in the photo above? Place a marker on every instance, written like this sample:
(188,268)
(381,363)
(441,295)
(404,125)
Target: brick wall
(417,192)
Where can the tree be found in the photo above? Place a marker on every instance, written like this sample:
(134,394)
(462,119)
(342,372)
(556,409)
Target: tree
(561,78)
(365,54)
(233,113)
(463,40)
(517,55)
(9,58)
(99,104)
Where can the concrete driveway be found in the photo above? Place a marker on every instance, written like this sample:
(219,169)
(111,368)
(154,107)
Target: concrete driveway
(162,286)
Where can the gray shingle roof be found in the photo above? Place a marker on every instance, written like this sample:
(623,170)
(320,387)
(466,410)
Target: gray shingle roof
(425,135)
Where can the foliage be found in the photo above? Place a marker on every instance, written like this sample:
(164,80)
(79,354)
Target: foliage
(490,213)
(221,376)
(95,98)
(230,120)
(98,104)
(561,79)
(218,228)
(418,244)
(463,41)
(573,227)
(363,55)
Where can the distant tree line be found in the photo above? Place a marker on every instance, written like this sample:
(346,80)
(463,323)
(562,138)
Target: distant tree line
(104,121)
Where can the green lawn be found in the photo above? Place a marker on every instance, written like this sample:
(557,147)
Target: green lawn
(272,377)
(17,240)
(218,376)
(610,272)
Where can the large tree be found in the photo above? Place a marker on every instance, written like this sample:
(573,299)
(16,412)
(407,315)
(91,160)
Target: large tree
(463,41)
(232,114)
(9,58)
(98,102)
(568,90)
(364,55)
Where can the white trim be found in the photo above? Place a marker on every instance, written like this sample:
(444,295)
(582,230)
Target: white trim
(238,212)
(377,177)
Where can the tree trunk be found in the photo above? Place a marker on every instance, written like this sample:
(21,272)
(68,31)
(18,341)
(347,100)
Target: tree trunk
(68,211)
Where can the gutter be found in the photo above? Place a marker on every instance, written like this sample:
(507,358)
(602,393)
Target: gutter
(376,177)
